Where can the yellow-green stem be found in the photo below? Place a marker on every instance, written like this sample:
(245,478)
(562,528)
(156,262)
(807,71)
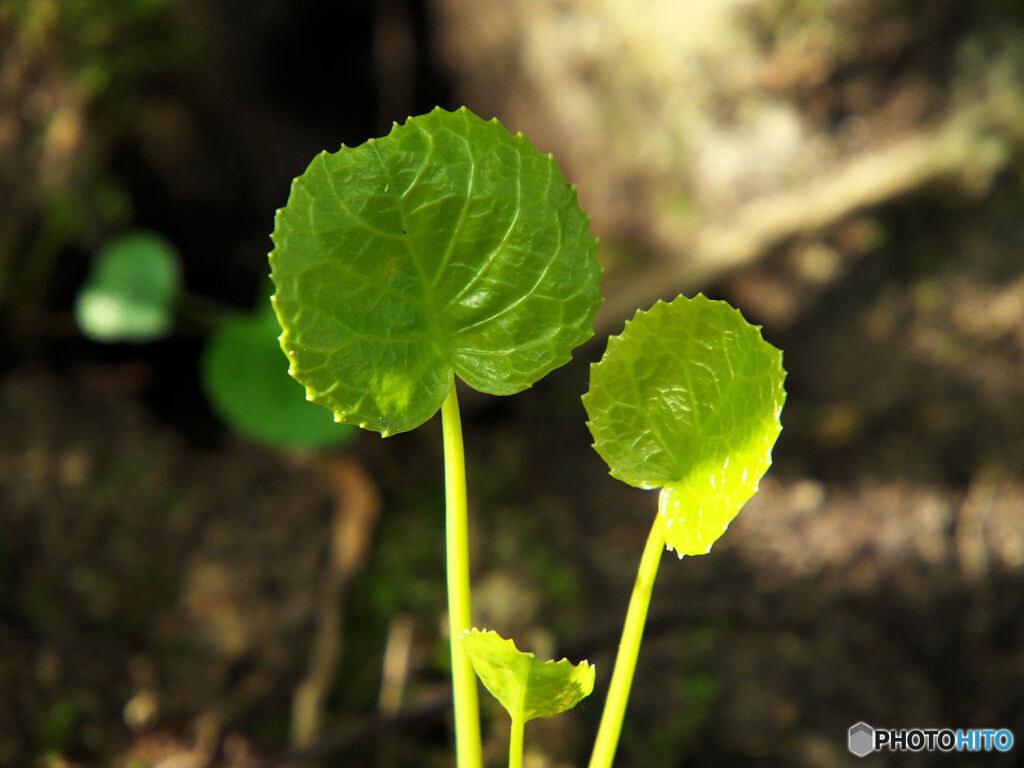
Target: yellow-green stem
(464,690)
(515,743)
(629,648)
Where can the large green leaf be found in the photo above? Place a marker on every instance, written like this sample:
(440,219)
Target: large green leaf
(687,399)
(526,687)
(246,380)
(130,292)
(449,246)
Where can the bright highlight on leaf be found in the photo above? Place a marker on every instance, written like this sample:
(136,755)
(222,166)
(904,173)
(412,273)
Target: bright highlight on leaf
(687,398)
(131,290)
(246,380)
(527,688)
(448,247)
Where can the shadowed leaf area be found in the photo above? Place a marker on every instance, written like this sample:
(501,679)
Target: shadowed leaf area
(245,377)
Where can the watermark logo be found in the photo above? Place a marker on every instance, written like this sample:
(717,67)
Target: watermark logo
(863,739)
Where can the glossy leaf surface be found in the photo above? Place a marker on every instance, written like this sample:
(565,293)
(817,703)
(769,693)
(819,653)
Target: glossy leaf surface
(526,687)
(687,399)
(448,247)
(130,292)
(247,382)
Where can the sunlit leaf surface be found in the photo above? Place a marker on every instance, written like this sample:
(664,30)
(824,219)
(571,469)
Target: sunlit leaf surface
(687,399)
(526,687)
(448,247)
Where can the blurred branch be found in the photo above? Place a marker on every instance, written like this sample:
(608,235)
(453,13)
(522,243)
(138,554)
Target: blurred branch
(430,706)
(969,149)
(356,509)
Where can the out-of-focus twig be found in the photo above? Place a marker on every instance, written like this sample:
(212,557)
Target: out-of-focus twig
(969,148)
(394,674)
(395,667)
(356,510)
(427,709)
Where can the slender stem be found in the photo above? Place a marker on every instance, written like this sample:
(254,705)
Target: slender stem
(629,648)
(515,743)
(464,691)
(199,315)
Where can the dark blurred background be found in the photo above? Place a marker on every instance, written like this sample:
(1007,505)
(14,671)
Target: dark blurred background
(847,172)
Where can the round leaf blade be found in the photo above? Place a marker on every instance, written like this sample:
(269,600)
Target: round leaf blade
(448,247)
(687,398)
(526,687)
(131,289)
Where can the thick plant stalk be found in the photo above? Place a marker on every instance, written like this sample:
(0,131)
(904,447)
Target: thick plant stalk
(608,731)
(464,686)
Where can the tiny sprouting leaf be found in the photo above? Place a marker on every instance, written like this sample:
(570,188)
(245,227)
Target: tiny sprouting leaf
(687,399)
(246,380)
(448,247)
(131,289)
(527,688)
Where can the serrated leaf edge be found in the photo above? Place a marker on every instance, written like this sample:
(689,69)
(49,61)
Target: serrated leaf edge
(586,333)
(659,304)
(564,660)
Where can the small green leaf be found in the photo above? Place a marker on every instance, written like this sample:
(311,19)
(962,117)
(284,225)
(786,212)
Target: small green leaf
(448,247)
(527,688)
(687,398)
(131,289)
(246,379)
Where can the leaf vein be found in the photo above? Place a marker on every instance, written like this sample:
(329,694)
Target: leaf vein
(355,217)
(504,240)
(462,215)
(426,162)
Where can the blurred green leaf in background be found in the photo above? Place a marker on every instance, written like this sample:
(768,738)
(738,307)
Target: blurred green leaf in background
(246,379)
(131,290)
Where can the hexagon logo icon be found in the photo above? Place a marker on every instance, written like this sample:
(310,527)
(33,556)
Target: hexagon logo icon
(861,739)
